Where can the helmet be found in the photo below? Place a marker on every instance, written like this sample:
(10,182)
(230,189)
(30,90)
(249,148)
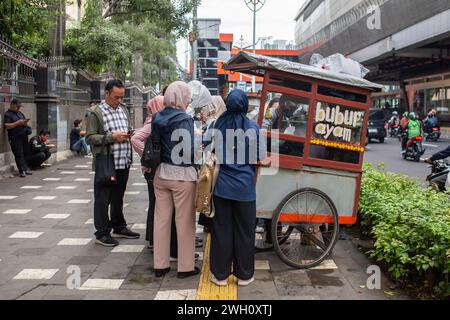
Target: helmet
(395,113)
(412,116)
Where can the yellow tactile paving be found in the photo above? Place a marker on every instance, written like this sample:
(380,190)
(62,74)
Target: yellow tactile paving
(208,290)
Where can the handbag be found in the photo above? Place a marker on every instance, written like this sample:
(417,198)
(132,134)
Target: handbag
(105,171)
(28,130)
(206,182)
(151,158)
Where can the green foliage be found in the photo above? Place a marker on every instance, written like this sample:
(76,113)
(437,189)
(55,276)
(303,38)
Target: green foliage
(411,226)
(26,23)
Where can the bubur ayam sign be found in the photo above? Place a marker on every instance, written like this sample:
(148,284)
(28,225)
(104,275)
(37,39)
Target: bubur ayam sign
(336,123)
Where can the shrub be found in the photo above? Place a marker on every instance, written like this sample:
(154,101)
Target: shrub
(411,227)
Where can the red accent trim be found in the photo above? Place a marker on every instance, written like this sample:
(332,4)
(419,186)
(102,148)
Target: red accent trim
(304,218)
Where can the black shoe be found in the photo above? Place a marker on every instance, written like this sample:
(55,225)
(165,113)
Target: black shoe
(22,175)
(28,173)
(184,275)
(125,233)
(107,241)
(161,272)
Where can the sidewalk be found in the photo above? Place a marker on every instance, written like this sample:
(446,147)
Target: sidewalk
(46,229)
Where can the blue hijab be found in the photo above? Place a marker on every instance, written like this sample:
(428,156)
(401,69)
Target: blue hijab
(236,115)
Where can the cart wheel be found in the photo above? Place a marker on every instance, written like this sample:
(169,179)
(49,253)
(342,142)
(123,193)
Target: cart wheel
(306,226)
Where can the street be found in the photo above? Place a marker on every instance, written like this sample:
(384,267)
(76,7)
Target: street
(48,251)
(389,153)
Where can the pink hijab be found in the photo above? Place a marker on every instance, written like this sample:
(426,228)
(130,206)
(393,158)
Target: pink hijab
(154,106)
(178,95)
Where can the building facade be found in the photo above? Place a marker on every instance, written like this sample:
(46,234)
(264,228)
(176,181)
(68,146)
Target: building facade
(405,44)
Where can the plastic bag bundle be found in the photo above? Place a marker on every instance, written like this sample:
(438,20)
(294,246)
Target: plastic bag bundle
(339,63)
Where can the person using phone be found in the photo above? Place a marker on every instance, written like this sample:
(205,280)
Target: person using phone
(40,149)
(17,125)
(109,123)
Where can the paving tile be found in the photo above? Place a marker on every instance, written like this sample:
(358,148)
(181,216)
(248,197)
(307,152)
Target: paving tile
(56,216)
(74,241)
(139,226)
(89,221)
(262,265)
(26,235)
(68,172)
(102,284)
(31,187)
(132,193)
(17,211)
(44,198)
(128,249)
(176,295)
(66,187)
(7,197)
(35,274)
(79,201)
(82,179)
(51,179)
(85,260)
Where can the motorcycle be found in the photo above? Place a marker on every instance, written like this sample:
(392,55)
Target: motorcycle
(439,172)
(395,131)
(434,134)
(414,149)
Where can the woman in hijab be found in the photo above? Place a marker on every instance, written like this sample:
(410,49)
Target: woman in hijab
(233,226)
(210,114)
(138,141)
(175,183)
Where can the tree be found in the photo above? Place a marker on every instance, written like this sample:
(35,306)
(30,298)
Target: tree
(26,23)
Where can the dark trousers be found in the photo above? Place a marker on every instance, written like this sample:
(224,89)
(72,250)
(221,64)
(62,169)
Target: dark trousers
(110,198)
(19,147)
(233,239)
(151,220)
(35,160)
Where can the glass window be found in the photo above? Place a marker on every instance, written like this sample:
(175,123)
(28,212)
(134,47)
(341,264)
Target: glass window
(337,93)
(290,83)
(286,114)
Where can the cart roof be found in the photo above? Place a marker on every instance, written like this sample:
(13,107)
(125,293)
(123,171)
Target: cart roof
(263,63)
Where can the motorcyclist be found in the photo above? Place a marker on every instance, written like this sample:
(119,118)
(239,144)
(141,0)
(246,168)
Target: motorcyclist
(394,122)
(414,129)
(439,156)
(431,121)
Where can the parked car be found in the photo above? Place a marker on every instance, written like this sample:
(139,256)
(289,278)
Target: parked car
(377,125)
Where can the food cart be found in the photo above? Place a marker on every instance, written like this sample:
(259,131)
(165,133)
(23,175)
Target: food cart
(316,141)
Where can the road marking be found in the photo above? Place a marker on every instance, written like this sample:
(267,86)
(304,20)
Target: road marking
(430,145)
(44,198)
(56,216)
(68,172)
(51,179)
(83,179)
(65,187)
(31,187)
(79,201)
(128,249)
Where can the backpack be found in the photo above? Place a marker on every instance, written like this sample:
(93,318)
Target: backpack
(151,158)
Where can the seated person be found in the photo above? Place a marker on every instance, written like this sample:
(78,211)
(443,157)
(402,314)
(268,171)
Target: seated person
(295,115)
(77,140)
(39,149)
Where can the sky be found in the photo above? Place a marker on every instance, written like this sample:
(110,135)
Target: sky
(275,19)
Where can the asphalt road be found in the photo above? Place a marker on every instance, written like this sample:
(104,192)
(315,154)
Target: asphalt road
(390,154)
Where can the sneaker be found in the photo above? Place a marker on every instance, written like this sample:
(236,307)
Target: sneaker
(260,230)
(184,275)
(107,241)
(219,283)
(22,175)
(28,173)
(126,233)
(244,283)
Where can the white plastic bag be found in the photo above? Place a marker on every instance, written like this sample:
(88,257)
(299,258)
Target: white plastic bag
(339,63)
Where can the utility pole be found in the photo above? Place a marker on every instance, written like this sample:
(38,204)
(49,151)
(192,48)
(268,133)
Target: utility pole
(255,6)
(194,42)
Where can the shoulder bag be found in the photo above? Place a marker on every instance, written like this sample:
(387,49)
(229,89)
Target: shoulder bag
(105,171)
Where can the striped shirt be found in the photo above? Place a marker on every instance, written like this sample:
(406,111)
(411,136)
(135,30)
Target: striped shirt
(115,120)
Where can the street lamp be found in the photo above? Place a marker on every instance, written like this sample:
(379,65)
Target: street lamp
(255,6)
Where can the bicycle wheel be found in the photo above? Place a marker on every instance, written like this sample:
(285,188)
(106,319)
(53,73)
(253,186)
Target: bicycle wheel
(309,226)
